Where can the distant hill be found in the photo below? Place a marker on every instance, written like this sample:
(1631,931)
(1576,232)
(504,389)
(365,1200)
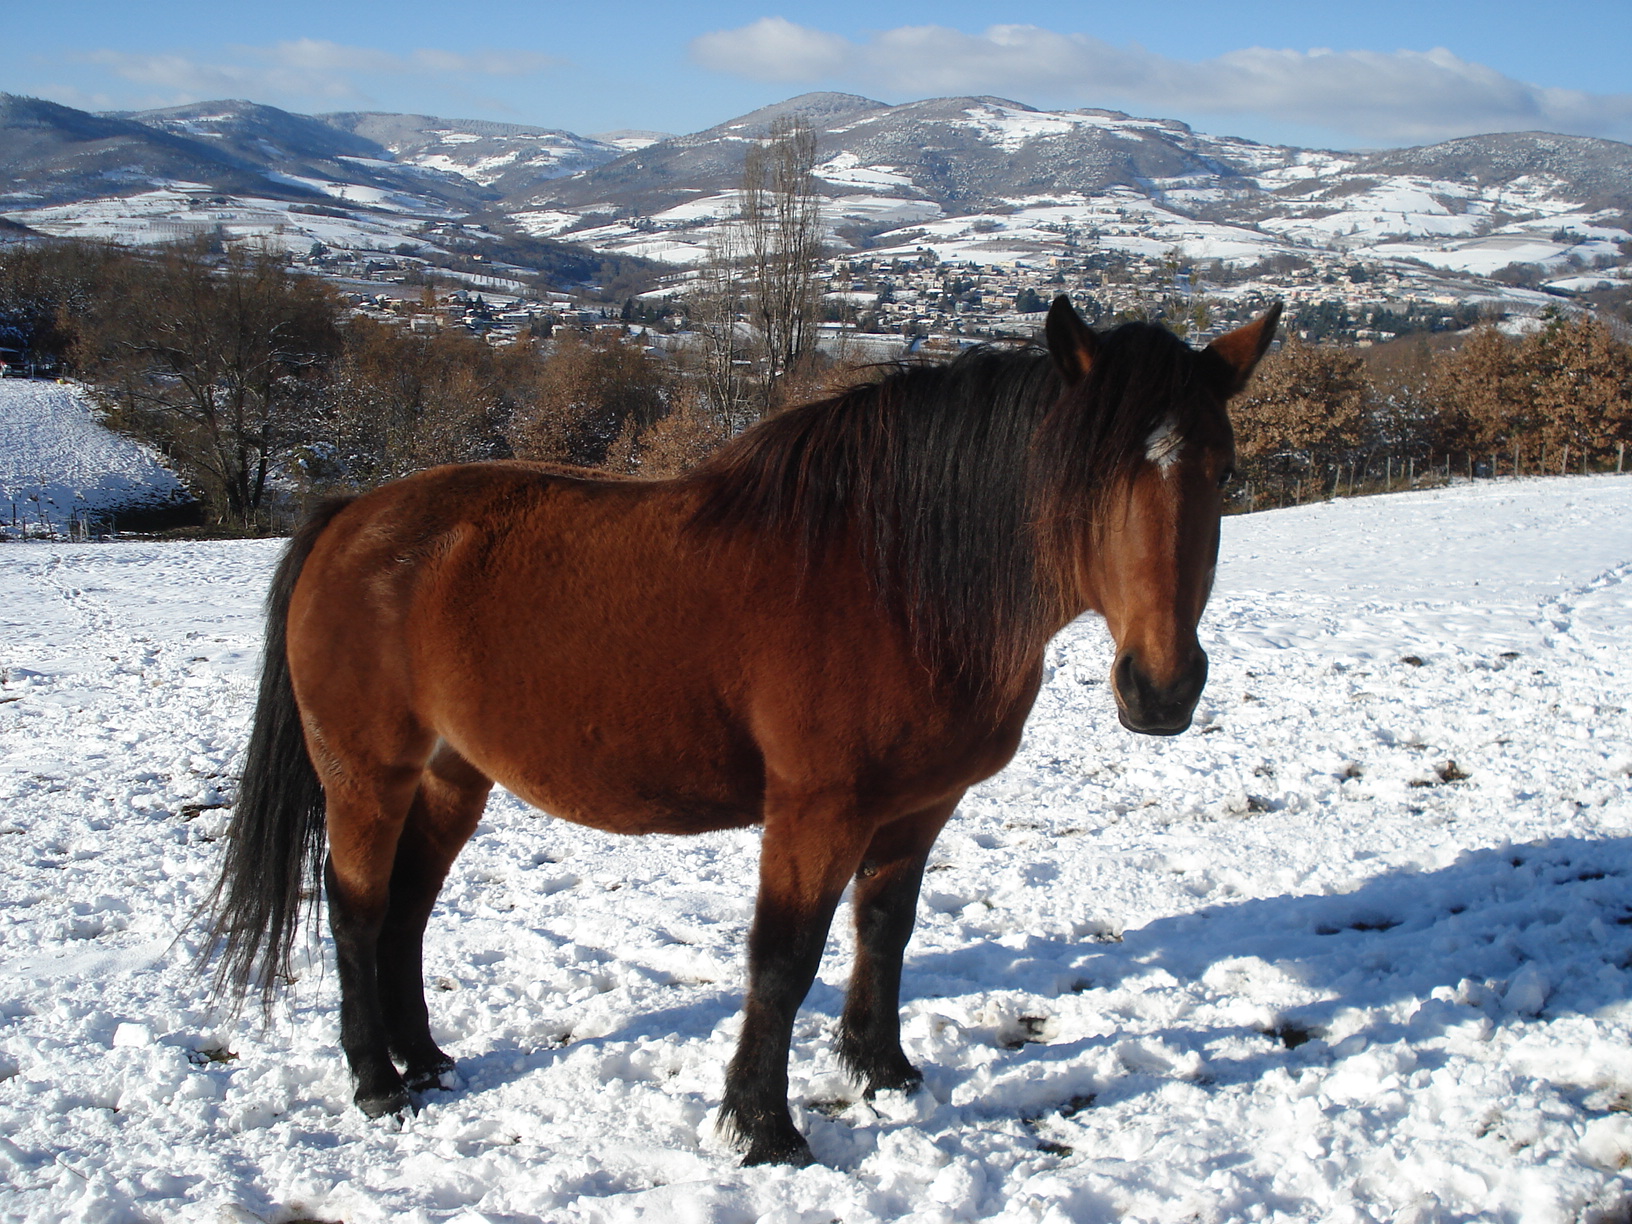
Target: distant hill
(51,154)
(509,159)
(302,152)
(984,179)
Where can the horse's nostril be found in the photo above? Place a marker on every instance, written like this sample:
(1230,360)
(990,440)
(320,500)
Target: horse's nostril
(1152,708)
(1122,674)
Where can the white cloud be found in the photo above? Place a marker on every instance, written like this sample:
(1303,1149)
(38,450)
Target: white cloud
(305,69)
(1393,96)
(773,49)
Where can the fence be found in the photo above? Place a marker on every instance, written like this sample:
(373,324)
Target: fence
(1388,473)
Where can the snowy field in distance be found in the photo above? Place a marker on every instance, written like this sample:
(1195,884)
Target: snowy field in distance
(1354,948)
(58,460)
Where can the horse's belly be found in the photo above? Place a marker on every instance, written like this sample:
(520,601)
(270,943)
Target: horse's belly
(617,810)
(641,773)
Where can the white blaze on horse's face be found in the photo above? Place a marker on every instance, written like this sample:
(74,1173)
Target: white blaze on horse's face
(1163,445)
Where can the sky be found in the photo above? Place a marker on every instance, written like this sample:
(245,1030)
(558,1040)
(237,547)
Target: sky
(1367,73)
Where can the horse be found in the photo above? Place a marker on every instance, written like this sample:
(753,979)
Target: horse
(832,627)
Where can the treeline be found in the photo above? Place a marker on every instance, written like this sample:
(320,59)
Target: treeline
(264,393)
(1322,420)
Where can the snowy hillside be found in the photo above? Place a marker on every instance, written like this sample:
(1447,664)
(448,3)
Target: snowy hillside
(1356,947)
(979,179)
(999,181)
(57,462)
(510,157)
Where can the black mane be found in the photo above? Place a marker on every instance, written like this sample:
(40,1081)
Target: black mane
(961,483)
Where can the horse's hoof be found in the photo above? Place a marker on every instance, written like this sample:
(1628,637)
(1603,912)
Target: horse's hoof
(907,1079)
(379,1104)
(795,1153)
(438,1074)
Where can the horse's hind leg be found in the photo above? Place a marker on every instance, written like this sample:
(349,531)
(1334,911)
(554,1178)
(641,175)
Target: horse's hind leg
(365,817)
(449,802)
(885,901)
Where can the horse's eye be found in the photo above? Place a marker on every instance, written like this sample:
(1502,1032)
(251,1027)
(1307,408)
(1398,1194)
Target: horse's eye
(1224,477)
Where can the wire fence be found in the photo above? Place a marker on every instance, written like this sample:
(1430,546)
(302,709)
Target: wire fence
(1390,473)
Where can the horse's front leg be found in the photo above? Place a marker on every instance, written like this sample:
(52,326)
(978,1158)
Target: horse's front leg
(885,903)
(809,852)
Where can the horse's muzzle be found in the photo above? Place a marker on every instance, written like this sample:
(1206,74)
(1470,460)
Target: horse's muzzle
(1151,708)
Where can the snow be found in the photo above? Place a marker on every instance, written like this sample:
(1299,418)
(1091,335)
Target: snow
(1480,256)
(631,139)
(876,208)
(1011,129)
(58,461)
(546,222)
(847,170)
(1354,948)
(1582,284)
(170,214)
(1039,227)
(484,170)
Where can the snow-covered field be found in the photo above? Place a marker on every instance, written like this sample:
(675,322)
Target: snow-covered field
(1354,948)
(58,462)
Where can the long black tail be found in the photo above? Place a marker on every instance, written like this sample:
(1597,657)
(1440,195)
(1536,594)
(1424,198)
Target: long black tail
(274,849)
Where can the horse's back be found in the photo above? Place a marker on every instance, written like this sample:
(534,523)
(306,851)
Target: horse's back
(542,622)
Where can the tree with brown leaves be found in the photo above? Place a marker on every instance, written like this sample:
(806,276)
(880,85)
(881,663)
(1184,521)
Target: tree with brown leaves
(582,396)
(1305,415)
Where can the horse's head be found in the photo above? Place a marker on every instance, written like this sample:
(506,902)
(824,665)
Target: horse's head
(1146,563)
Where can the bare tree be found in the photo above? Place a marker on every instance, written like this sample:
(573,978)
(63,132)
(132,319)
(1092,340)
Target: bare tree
(716,304)
(217,361)
(782,231)
(396,402)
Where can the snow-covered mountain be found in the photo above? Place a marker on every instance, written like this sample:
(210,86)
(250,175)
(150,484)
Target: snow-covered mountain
(980,178)
(973,176)
(51,154)
(302,152)
(512,159)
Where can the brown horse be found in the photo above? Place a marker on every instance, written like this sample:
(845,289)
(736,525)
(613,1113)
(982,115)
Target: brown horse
(833,627)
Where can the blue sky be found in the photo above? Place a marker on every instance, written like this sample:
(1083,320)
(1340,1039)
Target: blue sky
(1365,73)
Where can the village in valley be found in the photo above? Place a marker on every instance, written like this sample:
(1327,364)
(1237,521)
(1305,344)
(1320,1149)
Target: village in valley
(876,305)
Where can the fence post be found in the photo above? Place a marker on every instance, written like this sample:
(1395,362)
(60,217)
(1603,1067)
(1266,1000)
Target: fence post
(1564,464)
(1620,457)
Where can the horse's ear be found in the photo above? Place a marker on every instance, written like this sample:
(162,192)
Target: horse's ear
(1071,342)
(1241,349)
